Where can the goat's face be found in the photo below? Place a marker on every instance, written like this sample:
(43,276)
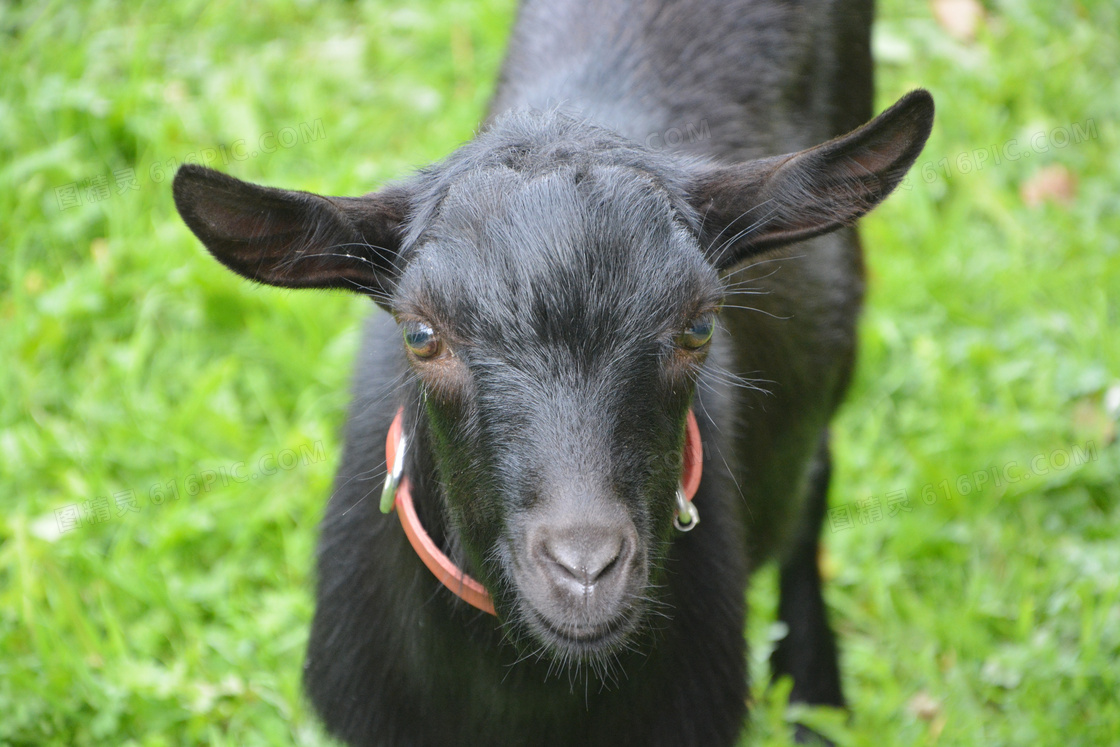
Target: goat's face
(556,289)
(556,317)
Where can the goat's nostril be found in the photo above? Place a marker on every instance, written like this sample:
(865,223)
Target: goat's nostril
(583,572)
(575,556)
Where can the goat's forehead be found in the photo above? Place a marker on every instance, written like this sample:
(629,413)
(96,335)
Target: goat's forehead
(498,205)
(601,240)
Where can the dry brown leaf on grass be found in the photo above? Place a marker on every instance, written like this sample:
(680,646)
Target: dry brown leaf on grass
(1054,183)
(1094,419)
(927,708)
(924,706)
(959,18)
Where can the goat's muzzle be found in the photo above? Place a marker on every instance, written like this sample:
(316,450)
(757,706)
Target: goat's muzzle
(579,579)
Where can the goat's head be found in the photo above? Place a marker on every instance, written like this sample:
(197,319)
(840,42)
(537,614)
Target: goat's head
(557,288)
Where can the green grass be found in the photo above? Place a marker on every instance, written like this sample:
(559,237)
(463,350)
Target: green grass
(129,359)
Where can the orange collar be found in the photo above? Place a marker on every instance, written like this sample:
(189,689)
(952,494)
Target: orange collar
(397,490)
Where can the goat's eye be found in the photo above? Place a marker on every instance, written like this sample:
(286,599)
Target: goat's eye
(421,340)
(698,332)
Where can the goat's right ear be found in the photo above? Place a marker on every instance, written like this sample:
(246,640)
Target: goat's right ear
(295,239)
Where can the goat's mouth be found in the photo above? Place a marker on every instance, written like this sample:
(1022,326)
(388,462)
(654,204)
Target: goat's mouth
(582,639)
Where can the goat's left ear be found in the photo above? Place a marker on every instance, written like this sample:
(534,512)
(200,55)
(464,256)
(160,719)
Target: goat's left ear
(295,239)
(751,207)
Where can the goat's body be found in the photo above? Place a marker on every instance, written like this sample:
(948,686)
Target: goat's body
(767,77)
(394,659)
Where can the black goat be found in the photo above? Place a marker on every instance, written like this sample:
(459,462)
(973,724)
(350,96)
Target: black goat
(569,291)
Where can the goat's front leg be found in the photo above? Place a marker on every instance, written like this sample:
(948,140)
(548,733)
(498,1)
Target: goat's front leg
(808,652)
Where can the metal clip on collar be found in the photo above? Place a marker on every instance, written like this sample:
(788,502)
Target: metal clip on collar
(687,516)
(393,477)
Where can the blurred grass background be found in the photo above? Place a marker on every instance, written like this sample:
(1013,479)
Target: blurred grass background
(168,432)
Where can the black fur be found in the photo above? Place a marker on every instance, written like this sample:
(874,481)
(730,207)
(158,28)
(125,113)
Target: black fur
(562,260)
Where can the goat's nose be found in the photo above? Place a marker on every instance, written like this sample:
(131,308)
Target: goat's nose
(579,557)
